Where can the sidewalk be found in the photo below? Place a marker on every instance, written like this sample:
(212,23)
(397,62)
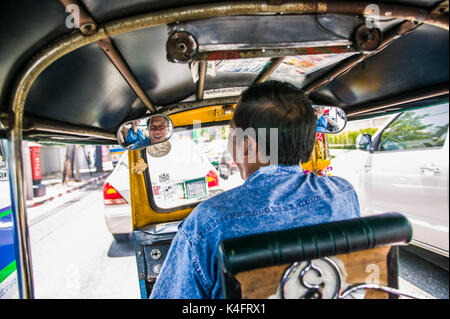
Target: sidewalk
(56,189)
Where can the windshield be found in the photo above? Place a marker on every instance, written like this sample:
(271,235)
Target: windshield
(189,167)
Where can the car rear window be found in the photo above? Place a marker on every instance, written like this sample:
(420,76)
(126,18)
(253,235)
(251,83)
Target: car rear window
(188,168)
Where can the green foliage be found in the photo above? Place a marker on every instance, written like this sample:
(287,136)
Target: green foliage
(349,137)
(409,127)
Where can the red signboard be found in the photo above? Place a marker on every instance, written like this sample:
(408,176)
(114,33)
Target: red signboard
(35,154)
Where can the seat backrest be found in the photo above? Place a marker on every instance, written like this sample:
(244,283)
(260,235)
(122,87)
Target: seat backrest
(323,260)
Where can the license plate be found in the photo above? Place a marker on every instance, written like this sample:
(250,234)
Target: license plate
(196,188)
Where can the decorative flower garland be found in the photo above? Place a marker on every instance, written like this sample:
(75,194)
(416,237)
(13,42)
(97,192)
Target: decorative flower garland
(318,163)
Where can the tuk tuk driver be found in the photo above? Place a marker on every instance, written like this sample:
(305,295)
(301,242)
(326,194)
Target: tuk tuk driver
(274,196)
(158,129)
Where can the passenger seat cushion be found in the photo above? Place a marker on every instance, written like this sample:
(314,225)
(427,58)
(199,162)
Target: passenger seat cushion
(369,266)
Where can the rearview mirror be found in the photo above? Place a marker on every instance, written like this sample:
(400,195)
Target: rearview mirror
(364,142)
(329,119)
(140,133)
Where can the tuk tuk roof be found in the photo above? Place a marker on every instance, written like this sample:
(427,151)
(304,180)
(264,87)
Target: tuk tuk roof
(89,90)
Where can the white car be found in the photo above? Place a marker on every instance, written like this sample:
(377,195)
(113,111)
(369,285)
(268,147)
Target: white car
(179,176)
(404,168)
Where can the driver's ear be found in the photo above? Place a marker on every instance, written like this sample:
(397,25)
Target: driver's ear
(250,149)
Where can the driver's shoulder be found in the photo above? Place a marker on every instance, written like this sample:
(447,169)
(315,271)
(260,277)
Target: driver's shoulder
(208,213)
(328,184)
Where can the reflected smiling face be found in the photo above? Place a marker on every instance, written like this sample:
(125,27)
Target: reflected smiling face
(158,129)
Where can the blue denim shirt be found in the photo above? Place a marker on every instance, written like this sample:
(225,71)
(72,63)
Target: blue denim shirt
(273,198)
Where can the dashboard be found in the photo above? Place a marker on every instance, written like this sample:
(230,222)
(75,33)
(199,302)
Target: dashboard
(152,244)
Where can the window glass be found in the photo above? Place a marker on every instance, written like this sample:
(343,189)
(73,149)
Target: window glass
(414,129)
(191,166)
(294,69)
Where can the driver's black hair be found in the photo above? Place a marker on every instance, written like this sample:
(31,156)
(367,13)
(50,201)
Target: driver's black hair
(281,105)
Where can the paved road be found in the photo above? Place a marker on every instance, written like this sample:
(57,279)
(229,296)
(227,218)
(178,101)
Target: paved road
(428,272)
(74,255)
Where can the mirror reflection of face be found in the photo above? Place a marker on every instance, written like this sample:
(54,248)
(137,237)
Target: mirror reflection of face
(158,129)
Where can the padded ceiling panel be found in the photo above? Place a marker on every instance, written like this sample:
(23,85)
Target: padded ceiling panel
(83,87)
(418,60)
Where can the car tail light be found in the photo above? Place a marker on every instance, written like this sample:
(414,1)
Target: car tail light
(111,196)
(212,179)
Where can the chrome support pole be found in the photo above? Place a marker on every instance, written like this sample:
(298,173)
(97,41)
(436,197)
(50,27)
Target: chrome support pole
(201,81)
(274,64)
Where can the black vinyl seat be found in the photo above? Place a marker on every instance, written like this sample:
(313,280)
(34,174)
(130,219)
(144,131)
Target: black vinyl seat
(367,240)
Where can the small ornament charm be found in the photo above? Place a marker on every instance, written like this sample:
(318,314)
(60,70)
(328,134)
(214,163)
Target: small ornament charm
(139,167)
